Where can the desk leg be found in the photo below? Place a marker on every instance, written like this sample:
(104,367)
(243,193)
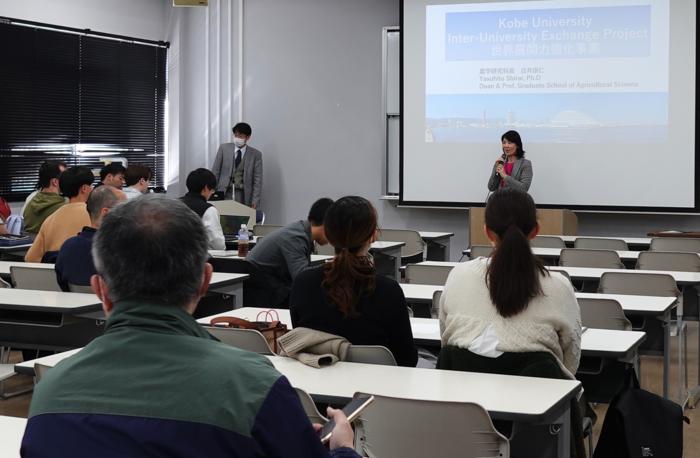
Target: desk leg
(564,442)
(667,351)
(235,290)
(682,376)
(438,250)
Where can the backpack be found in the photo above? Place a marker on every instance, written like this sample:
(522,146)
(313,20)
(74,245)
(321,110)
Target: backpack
(641,424)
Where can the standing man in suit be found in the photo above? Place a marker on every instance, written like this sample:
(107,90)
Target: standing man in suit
(238,168)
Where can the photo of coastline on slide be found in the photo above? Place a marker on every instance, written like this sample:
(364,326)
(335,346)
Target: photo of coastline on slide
(556,74)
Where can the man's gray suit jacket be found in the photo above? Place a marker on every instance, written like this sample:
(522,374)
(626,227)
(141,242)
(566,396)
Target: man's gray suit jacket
(252,172)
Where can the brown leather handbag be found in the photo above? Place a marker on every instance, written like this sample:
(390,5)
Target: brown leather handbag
(267,322)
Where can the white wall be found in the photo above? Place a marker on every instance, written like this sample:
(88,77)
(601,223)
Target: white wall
(312,88)
(143,19)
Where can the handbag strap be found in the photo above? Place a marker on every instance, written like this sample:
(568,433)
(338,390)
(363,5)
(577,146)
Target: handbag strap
(268,315)
(232,322)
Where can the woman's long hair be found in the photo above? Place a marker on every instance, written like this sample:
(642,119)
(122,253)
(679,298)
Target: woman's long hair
(514,137)
(349,224)
(513,274)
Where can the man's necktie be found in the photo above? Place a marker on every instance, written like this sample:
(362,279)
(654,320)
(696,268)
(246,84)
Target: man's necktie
(237,162)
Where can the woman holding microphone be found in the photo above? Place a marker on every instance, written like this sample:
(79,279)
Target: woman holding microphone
(511,170)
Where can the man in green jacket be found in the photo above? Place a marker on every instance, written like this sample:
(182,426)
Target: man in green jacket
(156,383)
(46,199)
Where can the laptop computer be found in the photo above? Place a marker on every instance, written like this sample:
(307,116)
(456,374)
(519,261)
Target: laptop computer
(231,224)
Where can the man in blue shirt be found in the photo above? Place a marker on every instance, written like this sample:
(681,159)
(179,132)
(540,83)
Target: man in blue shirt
(74,265)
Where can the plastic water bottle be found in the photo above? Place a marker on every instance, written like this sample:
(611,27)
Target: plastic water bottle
(243,241)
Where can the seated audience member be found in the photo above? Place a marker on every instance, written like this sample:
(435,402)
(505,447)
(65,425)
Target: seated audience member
(137,179)
(3,229)
(74,265)
(346,297)
(67,221)
(282,255)
(112,174)
(509,303)
(201,185)
(46,199)
(156,383)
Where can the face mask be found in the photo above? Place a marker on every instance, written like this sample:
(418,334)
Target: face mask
(239,142)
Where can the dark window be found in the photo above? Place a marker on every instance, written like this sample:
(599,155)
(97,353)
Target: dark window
(77,98)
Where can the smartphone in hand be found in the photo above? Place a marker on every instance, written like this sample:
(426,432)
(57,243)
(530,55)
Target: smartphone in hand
(352,410)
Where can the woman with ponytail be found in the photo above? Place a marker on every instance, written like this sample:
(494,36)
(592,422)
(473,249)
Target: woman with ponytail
(510,303)
(346,297)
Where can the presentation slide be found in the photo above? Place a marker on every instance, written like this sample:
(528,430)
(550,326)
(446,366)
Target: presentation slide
(601,92)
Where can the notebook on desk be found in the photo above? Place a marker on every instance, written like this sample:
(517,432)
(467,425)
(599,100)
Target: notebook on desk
(231,224)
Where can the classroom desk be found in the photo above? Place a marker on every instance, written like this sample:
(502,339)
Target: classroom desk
(5,266)
(520,399)
(391,252)
(621,345)
(638,242)
(659,307)
(14,252)
(11,433)
(47,320)
(437,245)
(555,253)
(316,259)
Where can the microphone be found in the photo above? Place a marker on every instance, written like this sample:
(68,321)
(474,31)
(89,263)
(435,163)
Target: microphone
(502,161)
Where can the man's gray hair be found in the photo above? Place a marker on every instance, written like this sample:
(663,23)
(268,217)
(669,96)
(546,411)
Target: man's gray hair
(152,249)
(101,197)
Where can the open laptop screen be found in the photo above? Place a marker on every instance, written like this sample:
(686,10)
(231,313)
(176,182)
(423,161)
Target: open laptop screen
(230,224)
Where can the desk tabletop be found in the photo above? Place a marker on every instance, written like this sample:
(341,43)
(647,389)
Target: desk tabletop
(5,266)
(653,305)
(596,342)
(25,246)
(682,278)
(610,343)
(431,235)
(27,367)
(233,254)
(48,301)
(223,279)
(380,245)
(556,252)
(11,433)
(642,241)
(505,397)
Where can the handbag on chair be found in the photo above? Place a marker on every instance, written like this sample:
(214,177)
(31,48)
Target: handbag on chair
(269,325)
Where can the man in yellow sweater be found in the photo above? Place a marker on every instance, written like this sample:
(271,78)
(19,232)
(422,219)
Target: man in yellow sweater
(67,221)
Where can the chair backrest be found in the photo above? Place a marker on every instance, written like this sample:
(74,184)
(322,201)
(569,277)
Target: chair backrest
(478,251)
(393,427)
(34,278)
(370,354)
(574,257)
(600,244)
(603,314)
(547,241)
(638,284)
(435,310)
(261,230)
(414,244)
(39,371)
(231,207)
(669,260)
(80,288)
(427,275)
(246,339)
(686,245)
(310,407)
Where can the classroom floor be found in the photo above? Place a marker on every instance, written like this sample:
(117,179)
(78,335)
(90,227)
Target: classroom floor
(651,380)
